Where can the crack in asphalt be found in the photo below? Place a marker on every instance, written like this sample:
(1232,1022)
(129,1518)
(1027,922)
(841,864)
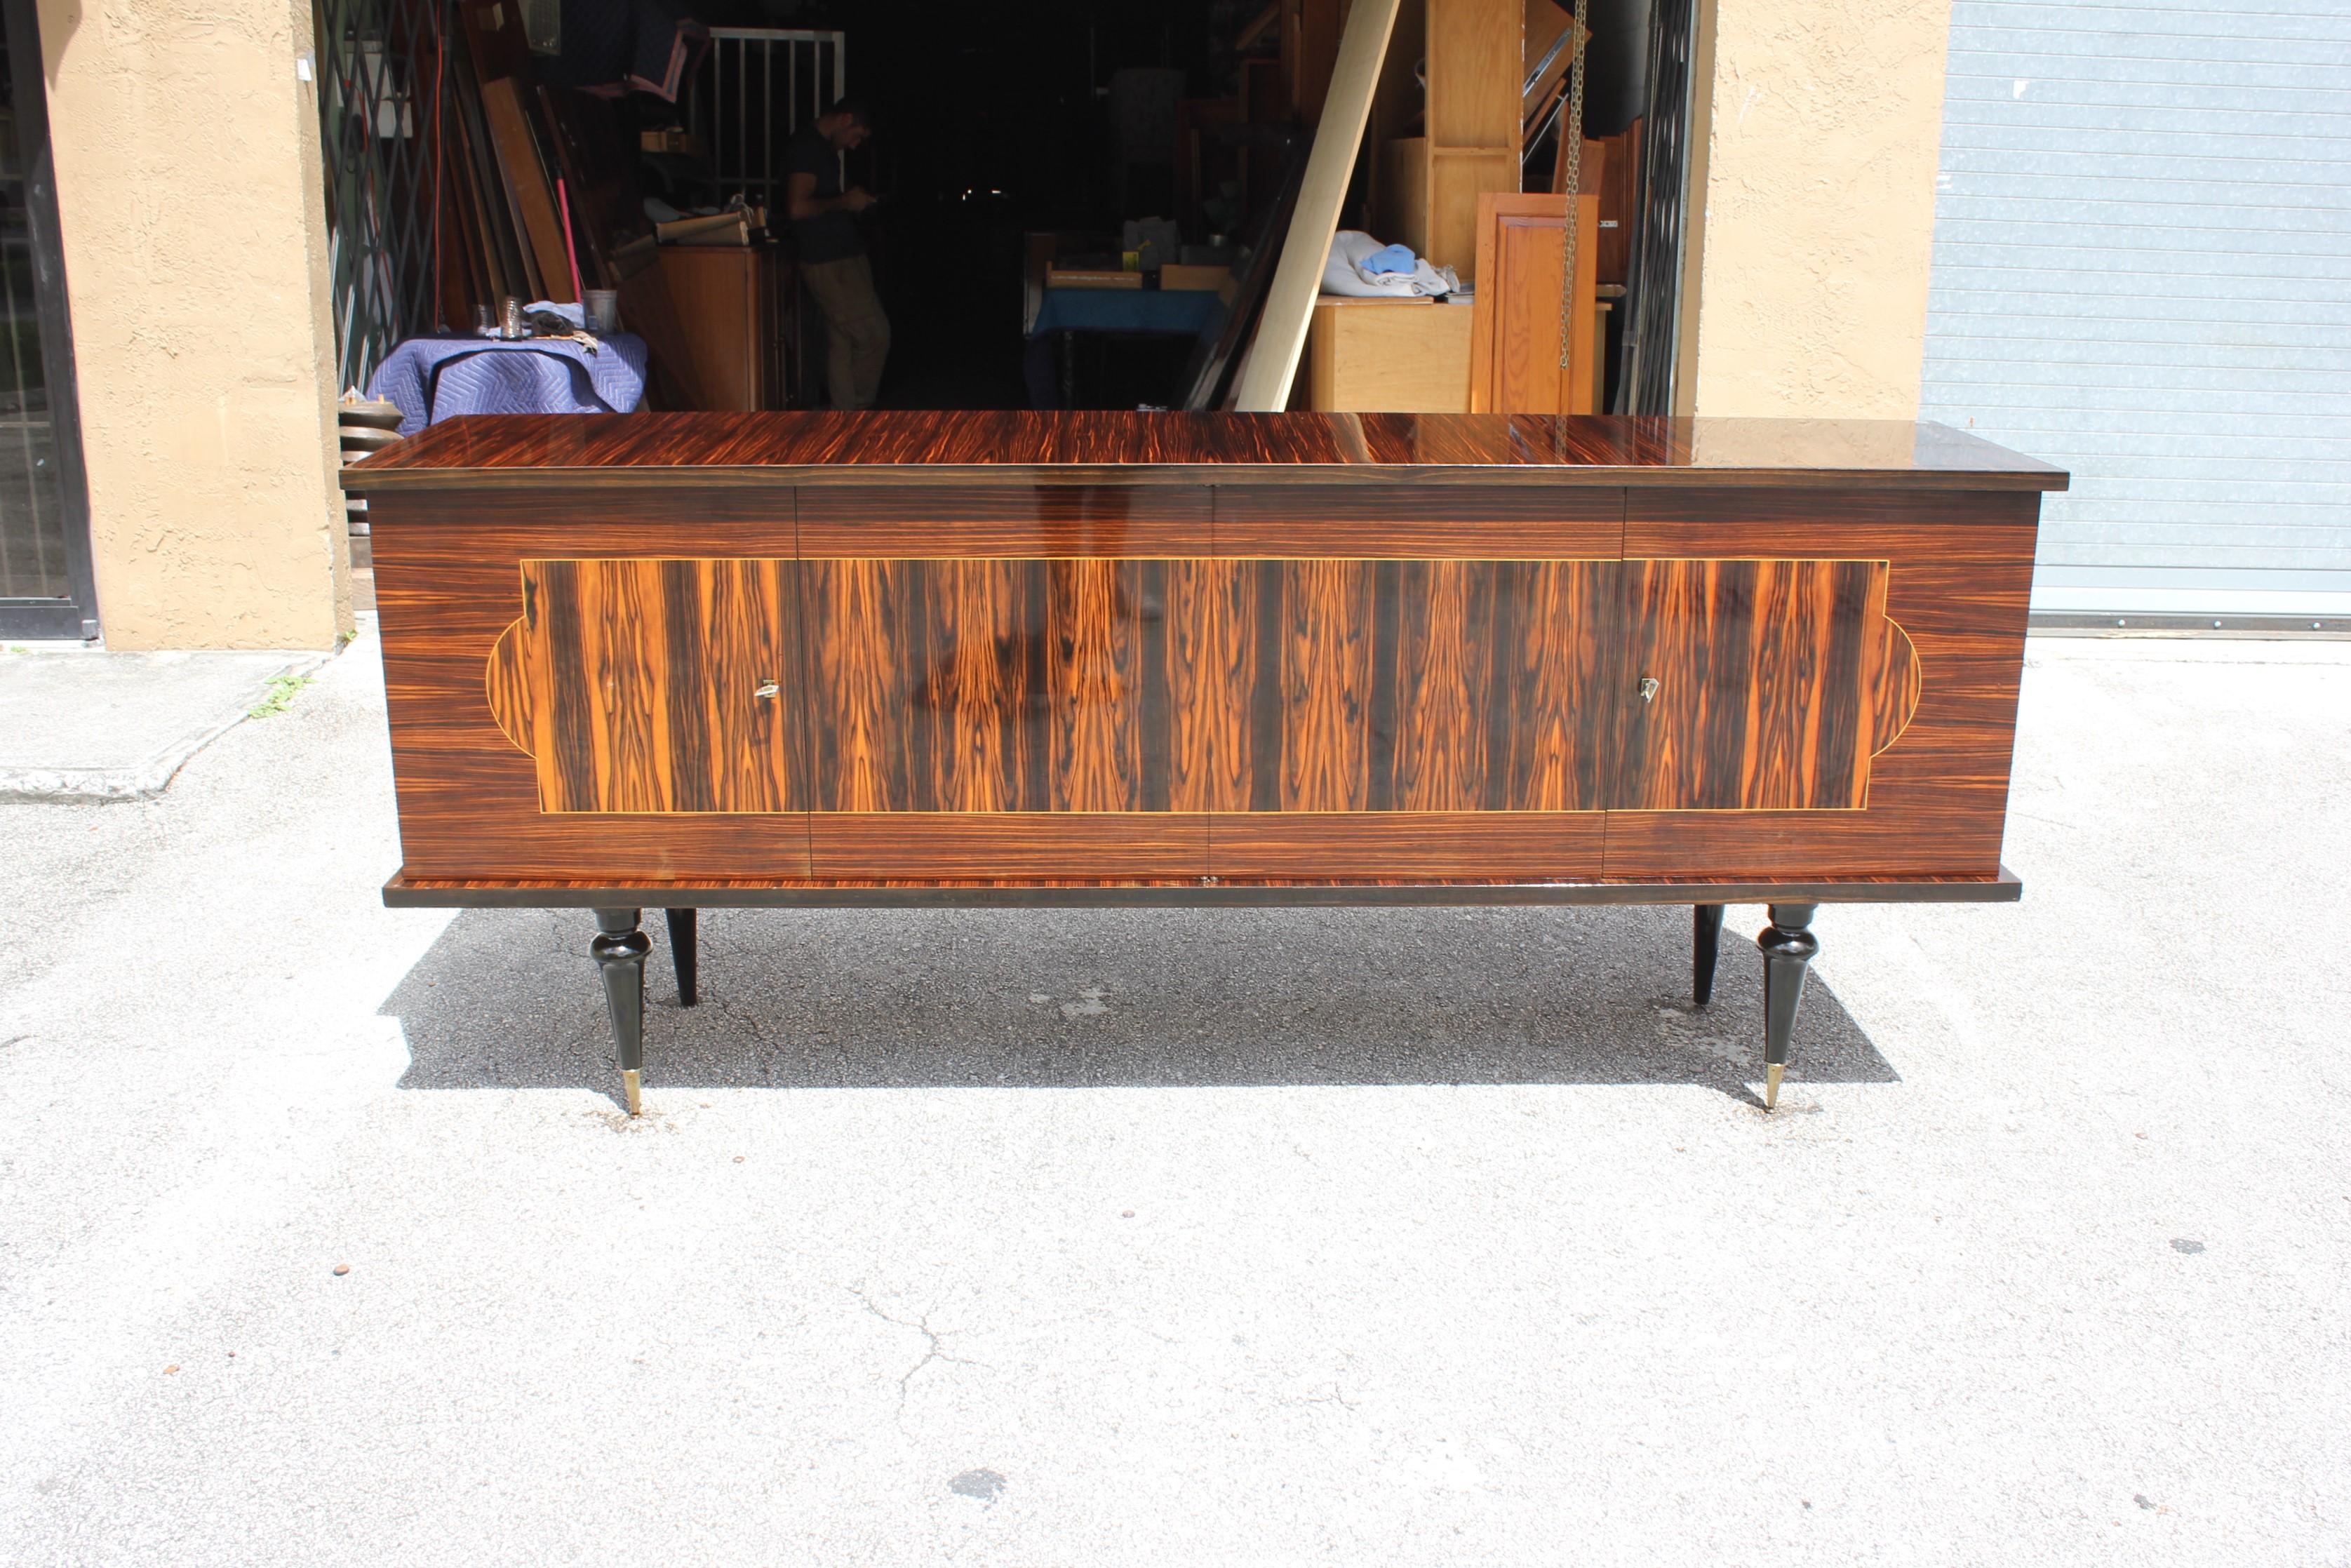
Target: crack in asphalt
(935,1351)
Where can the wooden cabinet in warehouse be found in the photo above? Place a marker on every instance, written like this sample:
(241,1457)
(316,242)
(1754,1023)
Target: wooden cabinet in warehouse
(1388,356)
(734,308)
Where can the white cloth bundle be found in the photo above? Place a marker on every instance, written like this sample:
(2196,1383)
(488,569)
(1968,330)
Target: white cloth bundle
(1343,271)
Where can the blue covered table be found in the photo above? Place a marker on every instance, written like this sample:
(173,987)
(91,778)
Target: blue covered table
(1167,312)
(433,379)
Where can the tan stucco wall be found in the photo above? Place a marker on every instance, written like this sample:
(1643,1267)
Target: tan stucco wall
(188,184)
(1823,126)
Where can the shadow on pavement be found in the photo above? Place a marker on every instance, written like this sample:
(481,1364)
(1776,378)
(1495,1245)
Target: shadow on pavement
(1119,997)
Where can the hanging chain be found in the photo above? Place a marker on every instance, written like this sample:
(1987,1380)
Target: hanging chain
(1570,147)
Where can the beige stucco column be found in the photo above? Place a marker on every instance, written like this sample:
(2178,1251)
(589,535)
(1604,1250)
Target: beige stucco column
(189,190)
(1820,127)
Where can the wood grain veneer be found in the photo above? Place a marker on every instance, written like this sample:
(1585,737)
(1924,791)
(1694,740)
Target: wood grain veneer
(451,585)
(1960,575)
(1318,687)
(1766,676)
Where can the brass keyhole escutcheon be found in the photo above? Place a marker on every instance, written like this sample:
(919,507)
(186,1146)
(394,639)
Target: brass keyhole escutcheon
(1648,688)
(768,690)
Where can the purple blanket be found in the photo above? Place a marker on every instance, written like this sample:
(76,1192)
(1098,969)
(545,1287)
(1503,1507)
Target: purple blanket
(433,379)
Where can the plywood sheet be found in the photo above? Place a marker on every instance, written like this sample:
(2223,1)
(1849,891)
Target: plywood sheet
(1476,54)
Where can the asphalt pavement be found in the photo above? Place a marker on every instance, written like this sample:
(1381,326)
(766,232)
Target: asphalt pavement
(1163,1237)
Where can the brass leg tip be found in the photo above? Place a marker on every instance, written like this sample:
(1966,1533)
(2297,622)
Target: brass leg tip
(629,1085)
(1772,1072)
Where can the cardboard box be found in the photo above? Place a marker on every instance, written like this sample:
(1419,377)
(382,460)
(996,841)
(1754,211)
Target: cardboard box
(1204,279)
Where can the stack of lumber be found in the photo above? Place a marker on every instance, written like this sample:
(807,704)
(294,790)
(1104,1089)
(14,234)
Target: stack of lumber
(502,226)
(537,194)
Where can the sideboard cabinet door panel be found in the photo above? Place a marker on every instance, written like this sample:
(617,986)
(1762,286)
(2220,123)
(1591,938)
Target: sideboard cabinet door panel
(1421,672)
(664,685)
(1747,685)
(1942,684)
(989,686)
(989,682)
(1418,717)
(697,782)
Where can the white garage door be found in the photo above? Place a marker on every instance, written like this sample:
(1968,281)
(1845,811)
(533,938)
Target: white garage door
(2143,273)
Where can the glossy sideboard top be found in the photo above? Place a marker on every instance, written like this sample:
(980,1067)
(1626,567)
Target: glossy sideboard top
(1008,447)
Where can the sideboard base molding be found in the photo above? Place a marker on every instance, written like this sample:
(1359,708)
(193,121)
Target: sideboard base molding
(457,893)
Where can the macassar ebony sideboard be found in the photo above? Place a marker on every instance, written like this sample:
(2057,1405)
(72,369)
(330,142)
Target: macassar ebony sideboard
(684,661)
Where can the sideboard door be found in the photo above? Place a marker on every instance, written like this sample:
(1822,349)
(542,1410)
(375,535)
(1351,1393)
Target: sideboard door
(990,688)
(662,685)
(1747,685)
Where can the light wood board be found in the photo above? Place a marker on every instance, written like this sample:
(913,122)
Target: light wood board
(532,192)
(1280,338)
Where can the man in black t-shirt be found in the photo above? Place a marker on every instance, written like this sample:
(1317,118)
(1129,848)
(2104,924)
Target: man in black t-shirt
(832,253)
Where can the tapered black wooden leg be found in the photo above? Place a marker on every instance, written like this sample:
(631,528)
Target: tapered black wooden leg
(621,948)
(1706,938)
(1788,946)
(682,955)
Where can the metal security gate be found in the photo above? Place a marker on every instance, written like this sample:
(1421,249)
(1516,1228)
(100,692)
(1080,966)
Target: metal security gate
(1660,242)
(2142,271)
(377,105)
(46,585)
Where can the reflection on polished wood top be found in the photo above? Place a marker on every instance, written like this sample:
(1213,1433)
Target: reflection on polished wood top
(984,448)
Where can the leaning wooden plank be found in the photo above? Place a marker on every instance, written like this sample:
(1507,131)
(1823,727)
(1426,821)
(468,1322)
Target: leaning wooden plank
(493,202)
(533,192)
(1298,277)
(471,166)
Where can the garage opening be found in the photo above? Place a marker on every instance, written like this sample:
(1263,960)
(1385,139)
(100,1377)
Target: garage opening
(1078,204)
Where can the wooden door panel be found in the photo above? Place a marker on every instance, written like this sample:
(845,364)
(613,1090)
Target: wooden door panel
(996,718)
(651,685)
(1763,678)
(1415,685)
(1195,684)
(992,686)
(1514,343)
(1959,574)
(1414,718)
